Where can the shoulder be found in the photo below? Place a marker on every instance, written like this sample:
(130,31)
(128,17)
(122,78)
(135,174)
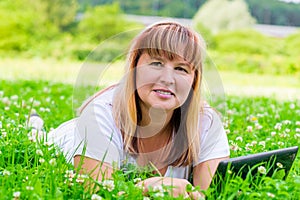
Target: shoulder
(103,98)
(209,117)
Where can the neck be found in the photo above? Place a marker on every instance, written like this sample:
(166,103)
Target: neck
(155,123)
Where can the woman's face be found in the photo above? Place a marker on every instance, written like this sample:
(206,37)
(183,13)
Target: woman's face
(163,83)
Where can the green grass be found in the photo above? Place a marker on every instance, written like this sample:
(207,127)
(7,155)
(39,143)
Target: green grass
(37,170)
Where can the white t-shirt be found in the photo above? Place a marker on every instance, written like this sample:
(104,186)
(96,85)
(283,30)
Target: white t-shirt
(95,135)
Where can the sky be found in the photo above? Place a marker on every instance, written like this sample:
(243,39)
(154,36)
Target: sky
(295,1)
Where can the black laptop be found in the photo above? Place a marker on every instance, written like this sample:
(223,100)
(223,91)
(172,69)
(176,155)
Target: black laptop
(277,161)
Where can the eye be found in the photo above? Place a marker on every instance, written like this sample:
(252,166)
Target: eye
(179,68)
(156,63)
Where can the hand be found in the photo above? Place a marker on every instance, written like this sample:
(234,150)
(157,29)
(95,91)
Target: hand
(178,186)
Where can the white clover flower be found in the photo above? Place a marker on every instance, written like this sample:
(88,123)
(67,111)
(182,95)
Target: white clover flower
(146,198)
(52,162)
(159,194)
(239,138)
(297,135)
(248,145)
(279,165)
(249,129)
(287,130)
(46,90)
(140,186)
(29,188)
(262,143)
(81,178)
(270,194)
(286,122)
(297,130)
(284,135)
(234,147)
(39,152)
(262,170)
(6,108)
(96,197)
(137,180)
(297,123)
(292,106)
(280,143)
(41,160)
(36,103)
(278,126)
(48,143)
(14,97)
(4,134)
(70,174)
(258,126)
(158,188)
(227,131)
(277,116)
(273,133)
(253,119)
(17,194)
(6,172)
(108,185)
(254,143)
(6,100)
(230,112)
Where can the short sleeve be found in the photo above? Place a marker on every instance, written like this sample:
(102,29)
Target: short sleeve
(213,139)
(96,135)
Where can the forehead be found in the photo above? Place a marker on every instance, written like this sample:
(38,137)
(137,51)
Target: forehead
(170,41)
(164,56)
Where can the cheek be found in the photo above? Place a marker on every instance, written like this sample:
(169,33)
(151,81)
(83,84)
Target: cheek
(185,86)
(144,77)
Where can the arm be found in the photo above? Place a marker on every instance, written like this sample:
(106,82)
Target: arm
(96,169)
(203,172)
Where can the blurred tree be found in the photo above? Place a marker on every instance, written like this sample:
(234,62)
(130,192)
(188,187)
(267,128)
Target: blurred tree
(217,15)
(275,12)
(60,13)
(101,22)
(170,8)
(28,22)
(18,26)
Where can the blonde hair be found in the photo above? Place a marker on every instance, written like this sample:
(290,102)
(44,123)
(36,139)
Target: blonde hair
(168,39)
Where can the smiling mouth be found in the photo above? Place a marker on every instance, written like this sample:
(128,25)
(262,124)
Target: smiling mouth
(164,92)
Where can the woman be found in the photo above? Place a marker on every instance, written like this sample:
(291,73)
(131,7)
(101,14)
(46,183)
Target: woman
(154,115)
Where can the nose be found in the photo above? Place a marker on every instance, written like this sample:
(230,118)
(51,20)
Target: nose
(167,76)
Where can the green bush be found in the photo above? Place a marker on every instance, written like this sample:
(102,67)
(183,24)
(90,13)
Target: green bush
(292,44)
(256,63)
(246,41)
(102,22)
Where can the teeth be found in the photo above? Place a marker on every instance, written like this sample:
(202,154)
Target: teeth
(163,92)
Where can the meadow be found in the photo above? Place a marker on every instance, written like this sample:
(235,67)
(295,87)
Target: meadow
(33,168)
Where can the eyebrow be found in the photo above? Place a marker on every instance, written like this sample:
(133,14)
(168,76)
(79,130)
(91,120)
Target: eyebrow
(160,58)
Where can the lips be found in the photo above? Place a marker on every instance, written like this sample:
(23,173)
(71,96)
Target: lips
(163,92)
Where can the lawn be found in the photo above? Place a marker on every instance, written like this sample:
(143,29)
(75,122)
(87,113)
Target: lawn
(32,168)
